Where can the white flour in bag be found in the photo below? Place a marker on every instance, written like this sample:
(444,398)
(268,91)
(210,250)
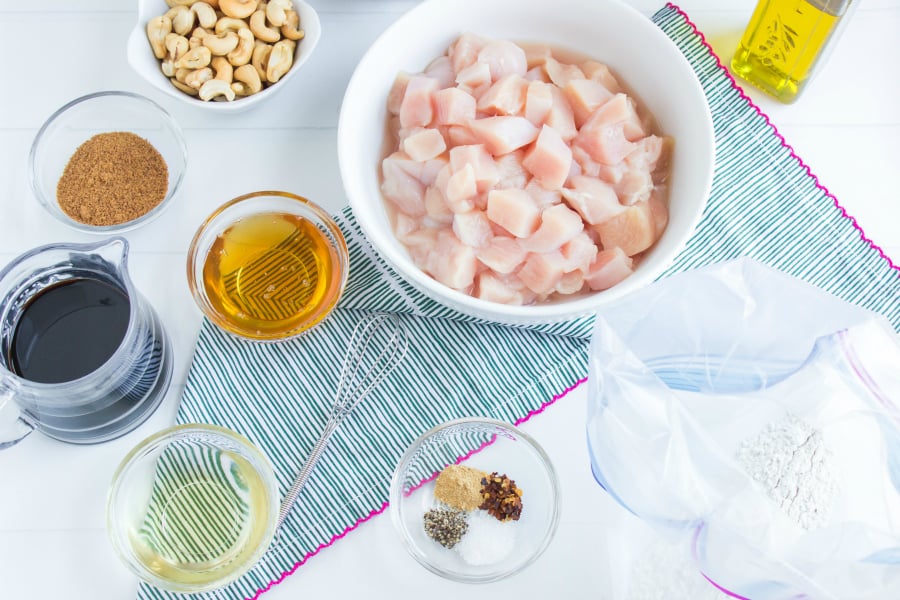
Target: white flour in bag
(790,460)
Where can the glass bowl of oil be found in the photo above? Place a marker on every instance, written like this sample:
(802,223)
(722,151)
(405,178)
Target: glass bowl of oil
(268,266)
(192,508)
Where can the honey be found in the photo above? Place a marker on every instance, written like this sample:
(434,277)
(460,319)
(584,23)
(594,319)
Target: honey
(783,42)
(271,275)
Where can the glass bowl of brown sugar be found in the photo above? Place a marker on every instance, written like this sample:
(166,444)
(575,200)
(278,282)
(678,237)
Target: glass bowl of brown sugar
(107,162)
(475,500)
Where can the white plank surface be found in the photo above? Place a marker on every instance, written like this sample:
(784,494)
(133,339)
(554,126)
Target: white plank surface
(52,537)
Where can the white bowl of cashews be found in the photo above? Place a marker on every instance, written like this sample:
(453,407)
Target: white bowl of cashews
(222,55)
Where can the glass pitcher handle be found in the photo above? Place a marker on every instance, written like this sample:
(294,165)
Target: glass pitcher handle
(14,427)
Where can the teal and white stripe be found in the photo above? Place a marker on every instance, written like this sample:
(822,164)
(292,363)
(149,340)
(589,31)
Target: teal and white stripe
(764,204)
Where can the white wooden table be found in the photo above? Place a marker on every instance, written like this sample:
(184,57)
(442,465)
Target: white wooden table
(52,535)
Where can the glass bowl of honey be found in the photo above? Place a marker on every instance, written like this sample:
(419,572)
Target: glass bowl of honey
(268,266)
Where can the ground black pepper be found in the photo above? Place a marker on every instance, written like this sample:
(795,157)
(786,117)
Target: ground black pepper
(445,526)
(112,178)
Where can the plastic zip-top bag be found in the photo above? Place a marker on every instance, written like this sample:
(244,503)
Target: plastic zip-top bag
(756,419)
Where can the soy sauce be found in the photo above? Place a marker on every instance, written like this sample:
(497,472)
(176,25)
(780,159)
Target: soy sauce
(69,330)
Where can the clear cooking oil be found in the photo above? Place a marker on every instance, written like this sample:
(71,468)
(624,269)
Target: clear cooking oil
(207,516)
(783,42)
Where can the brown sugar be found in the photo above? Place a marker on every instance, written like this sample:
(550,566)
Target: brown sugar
(460,487)
(112,178)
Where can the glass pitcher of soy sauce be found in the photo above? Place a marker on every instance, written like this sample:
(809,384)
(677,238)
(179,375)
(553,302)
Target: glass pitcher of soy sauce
(83,356)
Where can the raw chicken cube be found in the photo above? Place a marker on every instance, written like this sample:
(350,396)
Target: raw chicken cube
(493,289)
(503,254)
(514,210)
(436,209)
(424,144)
(537,54)
(505,97)
(406,192)
(538,101)
(477,155)
(609,268)
(460,135)
(633,230)
(453,107)
(425,171)
(606,145)
(461,189)
(559,224)
(395,96)
(600,72)
(537,74)
(501,135)
(651,153)
(659,210)
(472,228)
(561,118)
(464,51)
(634,187)
(593,199)
(588,166)
(420,244)
(474,77)
(585,96)
(452,262)
(561,73)
(550,159)
(570,283)
(416,108)
(579,253)
(442,70)
(504,58)
(404,225)
(542,272)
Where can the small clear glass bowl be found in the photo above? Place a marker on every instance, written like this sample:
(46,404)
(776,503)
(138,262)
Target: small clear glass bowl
(192,508)
(490,446)
(254,204)
(103,112)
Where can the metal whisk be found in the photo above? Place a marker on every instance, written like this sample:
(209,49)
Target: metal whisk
(377,345)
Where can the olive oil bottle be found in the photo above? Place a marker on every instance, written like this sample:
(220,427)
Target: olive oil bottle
(783,42)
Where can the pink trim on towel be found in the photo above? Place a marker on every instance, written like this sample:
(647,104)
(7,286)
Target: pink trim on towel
(740,90)
(284,575)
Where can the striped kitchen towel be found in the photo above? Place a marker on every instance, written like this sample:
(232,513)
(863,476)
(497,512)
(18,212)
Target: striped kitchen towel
(764,204)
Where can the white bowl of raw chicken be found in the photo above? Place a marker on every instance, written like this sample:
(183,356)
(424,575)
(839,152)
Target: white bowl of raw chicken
(647,64)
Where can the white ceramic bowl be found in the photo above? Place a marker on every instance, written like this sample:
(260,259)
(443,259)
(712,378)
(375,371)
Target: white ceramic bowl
(142,60)
(640,54)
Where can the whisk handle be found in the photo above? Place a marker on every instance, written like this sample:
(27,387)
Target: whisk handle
(302,476)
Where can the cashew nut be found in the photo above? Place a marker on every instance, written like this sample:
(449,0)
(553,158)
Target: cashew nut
(184,88)
(174,3)
(260,58)
(197,78)
(240,9)
(197,37)
(176,46)
(196,58)
(291,27)
(213,3)
(157,30)
(223,69)
(280,60)
(275,11)
(244,51)
(168,67)
(216,87)
(260,30)
(206,14)
(181,74)
(230,24)
(222,43)
(246,81)
(182,19)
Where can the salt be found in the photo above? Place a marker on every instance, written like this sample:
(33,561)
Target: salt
(487,541)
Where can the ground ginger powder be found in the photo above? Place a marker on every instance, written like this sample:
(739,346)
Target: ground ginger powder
(112,178)
(460,487)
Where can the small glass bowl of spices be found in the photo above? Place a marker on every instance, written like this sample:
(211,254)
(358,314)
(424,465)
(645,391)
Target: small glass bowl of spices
(475,500)
(107,162)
